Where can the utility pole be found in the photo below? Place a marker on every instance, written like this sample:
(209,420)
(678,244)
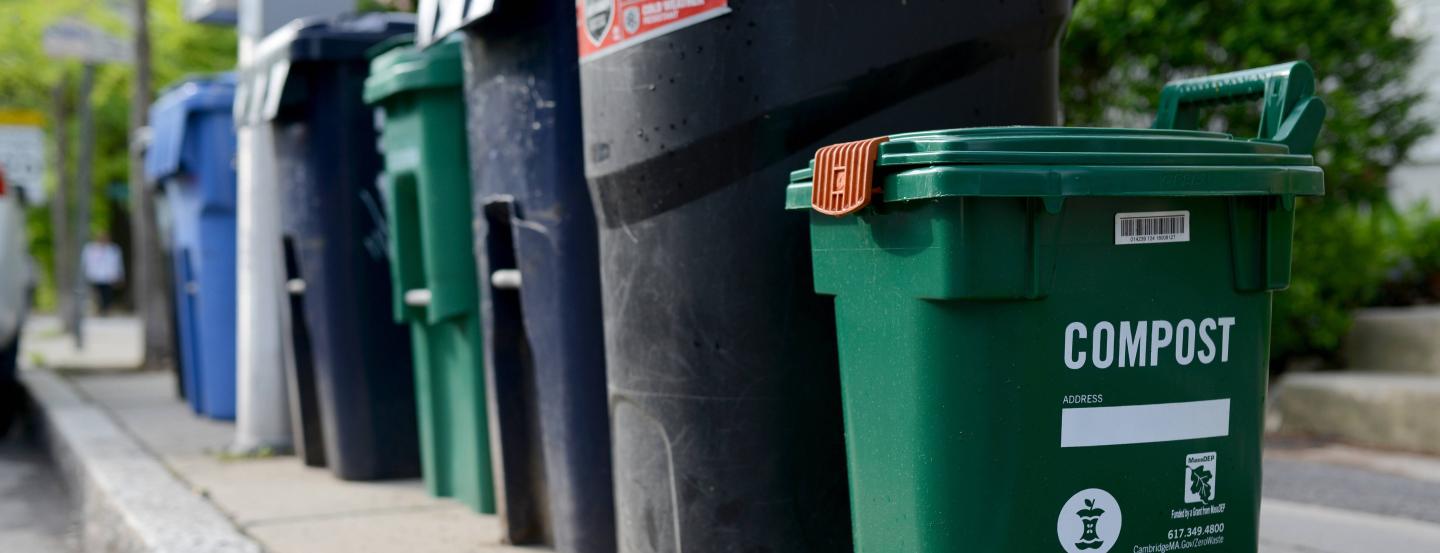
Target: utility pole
(75,39)
(63,254)
(85,171)
(152,300)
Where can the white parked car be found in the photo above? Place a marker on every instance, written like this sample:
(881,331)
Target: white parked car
(17,282)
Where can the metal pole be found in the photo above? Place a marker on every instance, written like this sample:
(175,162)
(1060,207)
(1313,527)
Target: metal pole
(85,187)
(62,253)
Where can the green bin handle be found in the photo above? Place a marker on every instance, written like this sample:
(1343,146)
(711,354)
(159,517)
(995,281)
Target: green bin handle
(1291,114)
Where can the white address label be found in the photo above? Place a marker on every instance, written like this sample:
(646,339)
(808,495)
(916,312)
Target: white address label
(1144,424)
(1152,227)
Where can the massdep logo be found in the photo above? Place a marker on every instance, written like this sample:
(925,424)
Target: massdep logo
(1200,478)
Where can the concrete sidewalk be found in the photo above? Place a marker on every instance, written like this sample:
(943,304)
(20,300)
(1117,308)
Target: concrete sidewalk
(149,475)
(111,344)
(277,501)
(288,508)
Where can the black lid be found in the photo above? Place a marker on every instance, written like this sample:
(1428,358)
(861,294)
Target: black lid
(266,83)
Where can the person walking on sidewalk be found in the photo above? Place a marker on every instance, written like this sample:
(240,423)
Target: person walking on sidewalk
(104,269)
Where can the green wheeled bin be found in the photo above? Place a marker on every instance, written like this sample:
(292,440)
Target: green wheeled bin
(1056,339)
(421,110)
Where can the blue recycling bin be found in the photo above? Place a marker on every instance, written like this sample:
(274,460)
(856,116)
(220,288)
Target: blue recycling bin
(536,252)
(192,159)
(348,360)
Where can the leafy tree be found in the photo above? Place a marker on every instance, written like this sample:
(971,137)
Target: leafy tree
(28,77)
(1119,53)
(386,6)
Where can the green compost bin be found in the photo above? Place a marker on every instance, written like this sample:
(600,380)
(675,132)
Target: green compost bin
(1056,339)
(421,111)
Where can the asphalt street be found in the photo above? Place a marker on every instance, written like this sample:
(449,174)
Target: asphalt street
(1352,489)
(35,512)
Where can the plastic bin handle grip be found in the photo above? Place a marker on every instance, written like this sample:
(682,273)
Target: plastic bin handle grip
(1291,113)
(419,297)
(844,176)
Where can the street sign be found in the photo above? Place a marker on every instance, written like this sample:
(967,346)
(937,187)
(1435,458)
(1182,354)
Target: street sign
(74,39)
(215,12)
(438,18)
(25,117)
(22,152)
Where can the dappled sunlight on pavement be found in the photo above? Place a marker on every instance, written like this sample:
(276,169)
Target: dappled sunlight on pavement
(111,343)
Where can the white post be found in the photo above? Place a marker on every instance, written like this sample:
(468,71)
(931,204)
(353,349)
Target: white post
(262,411)
(262,418)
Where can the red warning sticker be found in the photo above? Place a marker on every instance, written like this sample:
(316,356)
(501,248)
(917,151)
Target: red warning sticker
(609,25)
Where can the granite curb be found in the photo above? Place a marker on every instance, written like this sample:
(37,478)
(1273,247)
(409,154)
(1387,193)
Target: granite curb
(129,501)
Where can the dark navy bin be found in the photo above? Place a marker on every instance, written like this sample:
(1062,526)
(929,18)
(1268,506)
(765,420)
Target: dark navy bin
(333,228)
(191,157)
(539,277)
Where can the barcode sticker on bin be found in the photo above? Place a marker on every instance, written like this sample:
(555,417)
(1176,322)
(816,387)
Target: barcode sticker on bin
(1152,227)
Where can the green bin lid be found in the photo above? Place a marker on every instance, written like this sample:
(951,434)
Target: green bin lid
(1081,146)
(1058,162)
(1075,161)
(398,66)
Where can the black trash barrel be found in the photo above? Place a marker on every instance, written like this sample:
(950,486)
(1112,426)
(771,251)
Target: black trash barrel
(333,229)
(545,347)
(724,387)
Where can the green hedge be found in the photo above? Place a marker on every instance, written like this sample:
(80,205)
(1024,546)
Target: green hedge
(1118,53)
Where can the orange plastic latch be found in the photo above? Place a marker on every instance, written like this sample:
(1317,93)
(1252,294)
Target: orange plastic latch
(844,177)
